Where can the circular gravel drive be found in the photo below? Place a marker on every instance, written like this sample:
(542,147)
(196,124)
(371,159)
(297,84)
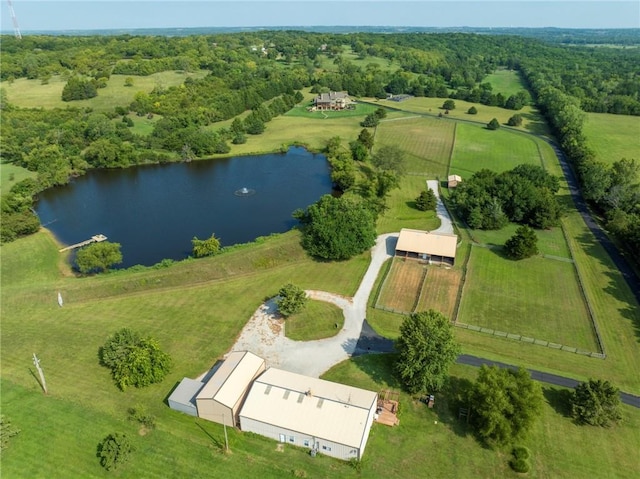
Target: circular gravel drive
(264,333)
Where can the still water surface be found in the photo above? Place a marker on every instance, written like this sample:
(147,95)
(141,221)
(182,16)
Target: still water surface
(155,211)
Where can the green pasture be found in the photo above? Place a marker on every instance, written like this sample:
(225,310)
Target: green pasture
(11,174)
(426,142)
(477,148)
(142,125)
(318,320)
(328,64)
(402,211)
(33,94)
(551,242)
(507,82)
(532,120)
(613,137)
(536,297)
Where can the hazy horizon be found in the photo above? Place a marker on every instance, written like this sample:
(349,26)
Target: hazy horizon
(86,15)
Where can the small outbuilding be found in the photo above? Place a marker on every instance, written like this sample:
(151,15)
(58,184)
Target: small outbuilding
(183,397)
(428,246)
(222,396)
(326,417)
(453,181)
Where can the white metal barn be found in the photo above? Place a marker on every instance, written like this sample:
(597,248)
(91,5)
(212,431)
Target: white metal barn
(221,397)
(330,418)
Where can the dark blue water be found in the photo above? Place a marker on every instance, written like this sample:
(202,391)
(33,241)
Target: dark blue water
(155,211)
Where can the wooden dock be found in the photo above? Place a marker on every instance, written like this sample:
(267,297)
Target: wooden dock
(93,239)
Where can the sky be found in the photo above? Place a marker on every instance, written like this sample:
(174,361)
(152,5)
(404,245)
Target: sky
(129,14)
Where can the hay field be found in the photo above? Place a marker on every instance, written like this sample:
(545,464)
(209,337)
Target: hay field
(402,285)
(613,137)
(440,290)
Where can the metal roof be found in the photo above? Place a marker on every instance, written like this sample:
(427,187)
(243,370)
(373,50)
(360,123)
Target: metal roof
(310,406)
(425,242)
(186,392)
(232,378)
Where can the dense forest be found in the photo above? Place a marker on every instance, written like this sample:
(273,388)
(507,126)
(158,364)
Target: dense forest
(261,74)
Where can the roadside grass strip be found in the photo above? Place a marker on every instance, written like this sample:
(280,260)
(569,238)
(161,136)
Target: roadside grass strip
(536,298)
(477,148)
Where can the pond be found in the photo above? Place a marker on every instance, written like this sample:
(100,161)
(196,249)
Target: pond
(155,211)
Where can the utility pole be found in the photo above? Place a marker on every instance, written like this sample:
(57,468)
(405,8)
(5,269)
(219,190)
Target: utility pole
(36,362)
(226,439)
(16,28)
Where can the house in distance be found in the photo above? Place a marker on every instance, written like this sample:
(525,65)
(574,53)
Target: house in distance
(334,100)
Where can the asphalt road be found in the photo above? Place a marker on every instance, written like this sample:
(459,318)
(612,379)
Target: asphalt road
(627,272)
(371,342)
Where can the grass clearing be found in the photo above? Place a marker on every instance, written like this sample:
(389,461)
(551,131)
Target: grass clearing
(536,297)
(11,174)
(551,242)
(507,82)
(440,290)
(532,120)
(427,142)
(500,150)
(318,320)
(402,285)
(401,208)
(33,94)
(613,137)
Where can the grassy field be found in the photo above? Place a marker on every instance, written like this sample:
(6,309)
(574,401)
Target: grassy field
(437,441)
(537,297)
(33,94)
(425,141)
(532,121)
(551,242)
(507,82)
(318,320)
(196,309)
(402,285)
(500,150)
(11,174)
(440,289)
(402,212)
(613,137)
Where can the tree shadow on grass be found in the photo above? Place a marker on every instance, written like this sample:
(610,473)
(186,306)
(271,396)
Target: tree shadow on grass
(450,405)
(559,399)
(535,124)
(379,367)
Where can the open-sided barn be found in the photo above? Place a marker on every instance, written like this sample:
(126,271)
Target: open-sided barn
(428,246)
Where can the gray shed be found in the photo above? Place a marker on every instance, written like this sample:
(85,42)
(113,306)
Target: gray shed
(183,398)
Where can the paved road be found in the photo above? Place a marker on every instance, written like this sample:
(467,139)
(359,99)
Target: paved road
(621,263)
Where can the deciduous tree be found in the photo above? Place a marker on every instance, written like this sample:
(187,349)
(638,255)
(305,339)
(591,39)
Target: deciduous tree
(207,247)
(114,450)
(426,348)
(523,244)
(504,404)
(98,257)
(291,299)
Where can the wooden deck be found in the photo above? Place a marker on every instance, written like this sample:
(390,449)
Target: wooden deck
(387,408)
(93,239)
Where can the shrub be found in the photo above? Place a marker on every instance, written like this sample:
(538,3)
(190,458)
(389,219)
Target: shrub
(449,105)
(292,299)
(493,124)
(520,465)
(521,452)
(515,120)
(472,111)
(114,450)
(523,244)
(7,431)
(426,201)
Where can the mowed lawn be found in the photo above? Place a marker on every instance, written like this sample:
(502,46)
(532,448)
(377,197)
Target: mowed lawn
(477,148)
(402,285)
(507,82)
(536,297)
(33,94)
(318,320)
(613,137)
(551,242)
(426,142)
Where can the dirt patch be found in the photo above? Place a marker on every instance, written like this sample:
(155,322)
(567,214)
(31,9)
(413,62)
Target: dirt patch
(280,447)
(276,325)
